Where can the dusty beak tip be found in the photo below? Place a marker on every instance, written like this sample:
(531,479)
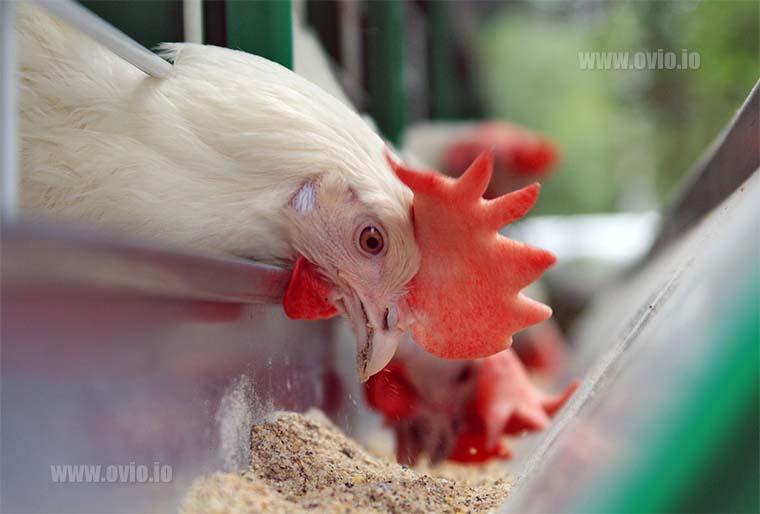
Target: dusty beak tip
(372,365)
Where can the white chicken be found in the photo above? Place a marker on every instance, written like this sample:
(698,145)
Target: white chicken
(234,153)
(231,152)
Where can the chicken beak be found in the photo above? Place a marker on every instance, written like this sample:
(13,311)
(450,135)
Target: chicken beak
(378,330)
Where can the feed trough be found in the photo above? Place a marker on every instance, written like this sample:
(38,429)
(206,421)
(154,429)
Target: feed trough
(156,361)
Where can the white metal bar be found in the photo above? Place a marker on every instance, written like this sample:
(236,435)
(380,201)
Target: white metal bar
(107,35)
(8,114)
(351,38)
(192,18)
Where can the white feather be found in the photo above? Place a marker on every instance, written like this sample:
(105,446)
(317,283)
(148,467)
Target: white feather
(305,199)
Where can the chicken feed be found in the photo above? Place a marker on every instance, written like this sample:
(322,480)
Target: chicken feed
(303,463)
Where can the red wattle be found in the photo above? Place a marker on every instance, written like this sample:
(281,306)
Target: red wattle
(307,295)
(391,393)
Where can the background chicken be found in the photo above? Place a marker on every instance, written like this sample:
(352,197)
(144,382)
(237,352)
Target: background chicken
(458,409)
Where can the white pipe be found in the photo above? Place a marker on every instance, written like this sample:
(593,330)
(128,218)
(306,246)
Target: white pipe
(192,17)
(351,40)
(104,33)
(8,112)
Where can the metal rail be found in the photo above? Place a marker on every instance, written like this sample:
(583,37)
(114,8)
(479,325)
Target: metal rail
(107,35)
(675,341)
(8,114)
(40,255)
(725,165)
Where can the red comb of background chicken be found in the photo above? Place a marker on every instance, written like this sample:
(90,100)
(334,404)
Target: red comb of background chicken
(518,151)
(507,402)
(534,157)
(466,296)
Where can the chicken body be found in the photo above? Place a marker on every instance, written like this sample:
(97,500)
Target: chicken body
(230,152)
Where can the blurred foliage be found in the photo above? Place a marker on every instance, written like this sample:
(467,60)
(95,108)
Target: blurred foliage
(627,136)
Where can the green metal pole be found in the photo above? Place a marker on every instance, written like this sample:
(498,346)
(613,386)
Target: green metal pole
(261,27)
(385,63)
(148,22)
(445,93)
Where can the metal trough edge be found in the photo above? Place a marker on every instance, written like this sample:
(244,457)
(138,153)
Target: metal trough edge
(43,254)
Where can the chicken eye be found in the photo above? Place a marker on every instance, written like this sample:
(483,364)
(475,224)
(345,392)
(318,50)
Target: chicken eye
(371,240)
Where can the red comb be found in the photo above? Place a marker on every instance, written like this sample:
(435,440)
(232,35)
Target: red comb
(307,294)
(505,403)
(466,296)
(534,157)
(508,402)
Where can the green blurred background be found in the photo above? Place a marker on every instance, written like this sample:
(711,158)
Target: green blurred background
(627,136)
